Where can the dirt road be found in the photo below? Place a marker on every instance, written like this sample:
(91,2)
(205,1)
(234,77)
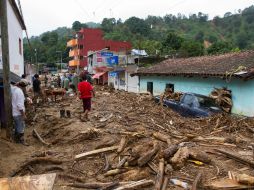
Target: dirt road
(137,123)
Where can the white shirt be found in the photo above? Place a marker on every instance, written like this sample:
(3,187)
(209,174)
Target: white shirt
(18,101)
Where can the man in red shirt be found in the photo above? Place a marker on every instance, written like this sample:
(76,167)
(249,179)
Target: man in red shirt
(85,90)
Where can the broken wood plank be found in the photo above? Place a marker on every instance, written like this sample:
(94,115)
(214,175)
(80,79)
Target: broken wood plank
(115,172)
(122,144)
(165,184)
(94,152)
(122,162)
(149,155)
(236,158)
(36,134)
(35,161)
(160,175)
(35,182)
(136,185)
(162,137)
(71,177)
(196,181)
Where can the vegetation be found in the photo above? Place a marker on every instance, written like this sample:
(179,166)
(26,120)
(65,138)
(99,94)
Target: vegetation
(172,35)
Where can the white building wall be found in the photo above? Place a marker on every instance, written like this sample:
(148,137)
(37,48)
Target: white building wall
(132,83)
(15,33)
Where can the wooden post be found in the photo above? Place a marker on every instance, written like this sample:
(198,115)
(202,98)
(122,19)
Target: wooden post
(6,67)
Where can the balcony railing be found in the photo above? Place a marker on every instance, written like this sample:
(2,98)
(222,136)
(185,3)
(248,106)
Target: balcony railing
(74,52)
(72,43)
(73,63)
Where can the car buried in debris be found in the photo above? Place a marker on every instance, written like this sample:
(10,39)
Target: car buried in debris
(192,105)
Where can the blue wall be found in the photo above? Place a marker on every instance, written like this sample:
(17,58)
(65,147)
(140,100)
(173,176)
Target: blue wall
(242,91)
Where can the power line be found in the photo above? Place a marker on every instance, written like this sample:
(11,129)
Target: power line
(21,13)
(82,8)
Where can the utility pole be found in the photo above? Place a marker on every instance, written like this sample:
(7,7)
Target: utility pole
(6,67)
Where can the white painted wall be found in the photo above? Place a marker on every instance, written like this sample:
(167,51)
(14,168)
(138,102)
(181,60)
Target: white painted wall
(15,33)
(132,83)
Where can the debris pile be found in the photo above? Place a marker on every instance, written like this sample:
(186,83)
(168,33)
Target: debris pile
(132,143)
(223,98)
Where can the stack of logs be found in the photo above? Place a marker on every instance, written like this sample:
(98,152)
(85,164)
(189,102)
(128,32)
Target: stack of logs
(223,98)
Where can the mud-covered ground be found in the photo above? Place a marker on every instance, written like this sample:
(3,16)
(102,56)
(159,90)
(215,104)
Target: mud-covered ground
(136,118)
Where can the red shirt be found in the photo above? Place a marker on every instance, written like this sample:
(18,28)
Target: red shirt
(85,89)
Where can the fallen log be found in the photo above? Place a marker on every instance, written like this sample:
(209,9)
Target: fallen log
(94,152)
(115,172)
(36,134)
(136,185)
(107,164)
(122,162)
(180,157)
(199,155)
(170,151)
(71,177)
(236,158)
(196,182)
(122,144)
(110,186)
(149,155)
(105,144)
(96,185)
(160,175)
(35,161)
(162,137)
(165,184)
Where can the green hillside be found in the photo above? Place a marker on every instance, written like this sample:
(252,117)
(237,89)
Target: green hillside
(172,35)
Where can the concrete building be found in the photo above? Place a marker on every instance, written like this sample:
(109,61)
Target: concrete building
(201,75)
(15,30)
(89,39)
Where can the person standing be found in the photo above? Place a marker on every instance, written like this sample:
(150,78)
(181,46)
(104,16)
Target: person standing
(36,86)
(85,91)
(18,113)
(75,81)
(24,83)
(66,83)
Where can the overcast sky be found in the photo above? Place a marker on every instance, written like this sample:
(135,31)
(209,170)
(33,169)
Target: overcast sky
(45,15)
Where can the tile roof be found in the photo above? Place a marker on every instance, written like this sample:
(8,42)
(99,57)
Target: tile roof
(239,64)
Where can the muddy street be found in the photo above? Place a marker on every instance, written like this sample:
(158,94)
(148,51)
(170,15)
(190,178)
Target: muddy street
(129,138)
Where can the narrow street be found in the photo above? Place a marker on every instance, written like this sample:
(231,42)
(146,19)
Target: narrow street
(136,124)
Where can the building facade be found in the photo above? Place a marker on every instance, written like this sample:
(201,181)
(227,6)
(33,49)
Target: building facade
(201,75)
(15,31)
(89,39)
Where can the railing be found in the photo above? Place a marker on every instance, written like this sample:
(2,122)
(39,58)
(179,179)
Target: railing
(73,63)
(72,43)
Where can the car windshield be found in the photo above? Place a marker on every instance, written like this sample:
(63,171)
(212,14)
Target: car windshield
(206,101)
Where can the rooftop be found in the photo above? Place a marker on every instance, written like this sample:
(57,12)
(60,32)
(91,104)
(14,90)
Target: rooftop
(239,64)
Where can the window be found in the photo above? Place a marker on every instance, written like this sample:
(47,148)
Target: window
(169,85)
(81,46)
(20,47)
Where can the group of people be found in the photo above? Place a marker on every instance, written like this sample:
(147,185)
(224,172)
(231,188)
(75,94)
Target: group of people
(20,99)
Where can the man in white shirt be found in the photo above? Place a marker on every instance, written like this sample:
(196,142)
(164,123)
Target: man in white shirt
(18,112)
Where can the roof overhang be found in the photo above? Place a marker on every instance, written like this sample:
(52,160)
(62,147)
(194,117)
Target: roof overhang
(13,77)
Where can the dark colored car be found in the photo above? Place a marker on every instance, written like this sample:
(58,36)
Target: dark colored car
(192,105)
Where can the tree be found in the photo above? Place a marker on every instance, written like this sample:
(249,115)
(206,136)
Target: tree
(76,26)
(108,24)
(220,47)
(191,48)
(138,26)
(172,43)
